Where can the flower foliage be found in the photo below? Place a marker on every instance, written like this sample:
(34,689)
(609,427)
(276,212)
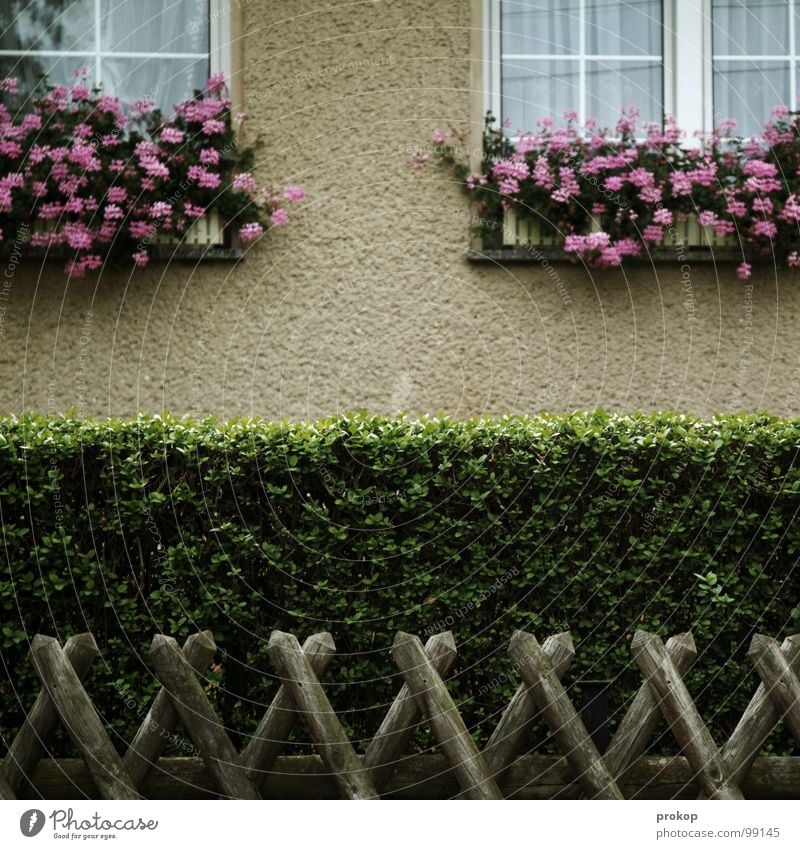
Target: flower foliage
(613,194)
(101,182)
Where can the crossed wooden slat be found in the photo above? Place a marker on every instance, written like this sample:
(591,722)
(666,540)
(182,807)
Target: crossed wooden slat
(423,698)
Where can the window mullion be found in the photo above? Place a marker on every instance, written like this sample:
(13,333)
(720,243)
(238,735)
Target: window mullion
(583,95)
(97,14)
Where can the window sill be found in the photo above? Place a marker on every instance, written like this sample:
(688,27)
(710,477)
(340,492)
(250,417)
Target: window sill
(536,254)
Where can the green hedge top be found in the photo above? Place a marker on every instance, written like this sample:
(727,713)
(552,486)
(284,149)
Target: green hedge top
(365,526)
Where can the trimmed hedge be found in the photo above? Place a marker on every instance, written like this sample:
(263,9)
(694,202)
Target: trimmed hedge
(364,526)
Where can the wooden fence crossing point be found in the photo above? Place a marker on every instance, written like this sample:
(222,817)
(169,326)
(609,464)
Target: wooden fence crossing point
(437,706)
(80,719)
(683,717)
(273,731)
(30,743)
(561,717)
(199,718)
(642,717)
(508,737)
(322,723)
(779,679)
(393,737)
(758,720)
(162,719)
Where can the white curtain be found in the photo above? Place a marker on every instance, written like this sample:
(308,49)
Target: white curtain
(622,56)
(747,88)
(124,26)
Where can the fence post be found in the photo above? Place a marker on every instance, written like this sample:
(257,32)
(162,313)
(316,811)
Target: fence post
(683,717)
(514,726)
(779,679)
(80,719)
(30,744)
(323,725)
(560,715)
(163,716)
(280,718)
(397,729)
(438,707)
(641,720)
(199,718)
(757,721)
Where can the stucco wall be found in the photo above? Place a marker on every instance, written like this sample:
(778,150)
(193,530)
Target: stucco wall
(366,300)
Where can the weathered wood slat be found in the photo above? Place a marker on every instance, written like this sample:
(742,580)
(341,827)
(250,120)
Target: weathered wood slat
(200,719)
(421,776)
(7,793)
(80,719)
(512,730)
(758,720)
(281,717)
(322,723)
(569,732)
(162,718)
(641,720)
(394,735)
(683,717)
(30,743)
(779,679)
(438,707)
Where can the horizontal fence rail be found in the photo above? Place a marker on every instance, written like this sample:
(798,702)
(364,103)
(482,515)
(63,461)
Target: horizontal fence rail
(461,768)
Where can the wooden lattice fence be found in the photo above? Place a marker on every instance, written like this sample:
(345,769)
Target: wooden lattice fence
(386,770)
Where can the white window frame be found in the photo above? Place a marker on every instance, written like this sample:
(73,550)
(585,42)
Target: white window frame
(219,53)
(687,64)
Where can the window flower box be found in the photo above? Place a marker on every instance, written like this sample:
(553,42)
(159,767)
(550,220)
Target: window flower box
(522,232)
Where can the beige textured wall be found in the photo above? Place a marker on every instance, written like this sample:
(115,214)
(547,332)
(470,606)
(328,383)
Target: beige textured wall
(366,300)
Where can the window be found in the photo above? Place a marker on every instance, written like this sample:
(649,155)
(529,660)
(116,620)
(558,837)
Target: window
(700,60)
(161,49)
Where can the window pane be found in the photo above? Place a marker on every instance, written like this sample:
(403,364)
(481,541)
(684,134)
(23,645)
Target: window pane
(750,27)
(613,86)
(149,26)
(167,81)
(747,91)
(549,26)
(623,28)
(29,70)
(46,24)
(534,89)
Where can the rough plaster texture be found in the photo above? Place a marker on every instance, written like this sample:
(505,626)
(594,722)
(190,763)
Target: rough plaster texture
(366,300)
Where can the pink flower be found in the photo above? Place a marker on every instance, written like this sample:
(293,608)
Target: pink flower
(663,216)
(116,194)
(172,135)
(744,271)
(154,167)
(193,211)
(78,236)
(9,84)
(209,156)
(279,217)
(213,127)
(160,209)
(653,233)
(793,260)
(112,212)
(141,229)
(240,118)
(215,83)
(244,182)
(250,231)
(141,258)
(294,194)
